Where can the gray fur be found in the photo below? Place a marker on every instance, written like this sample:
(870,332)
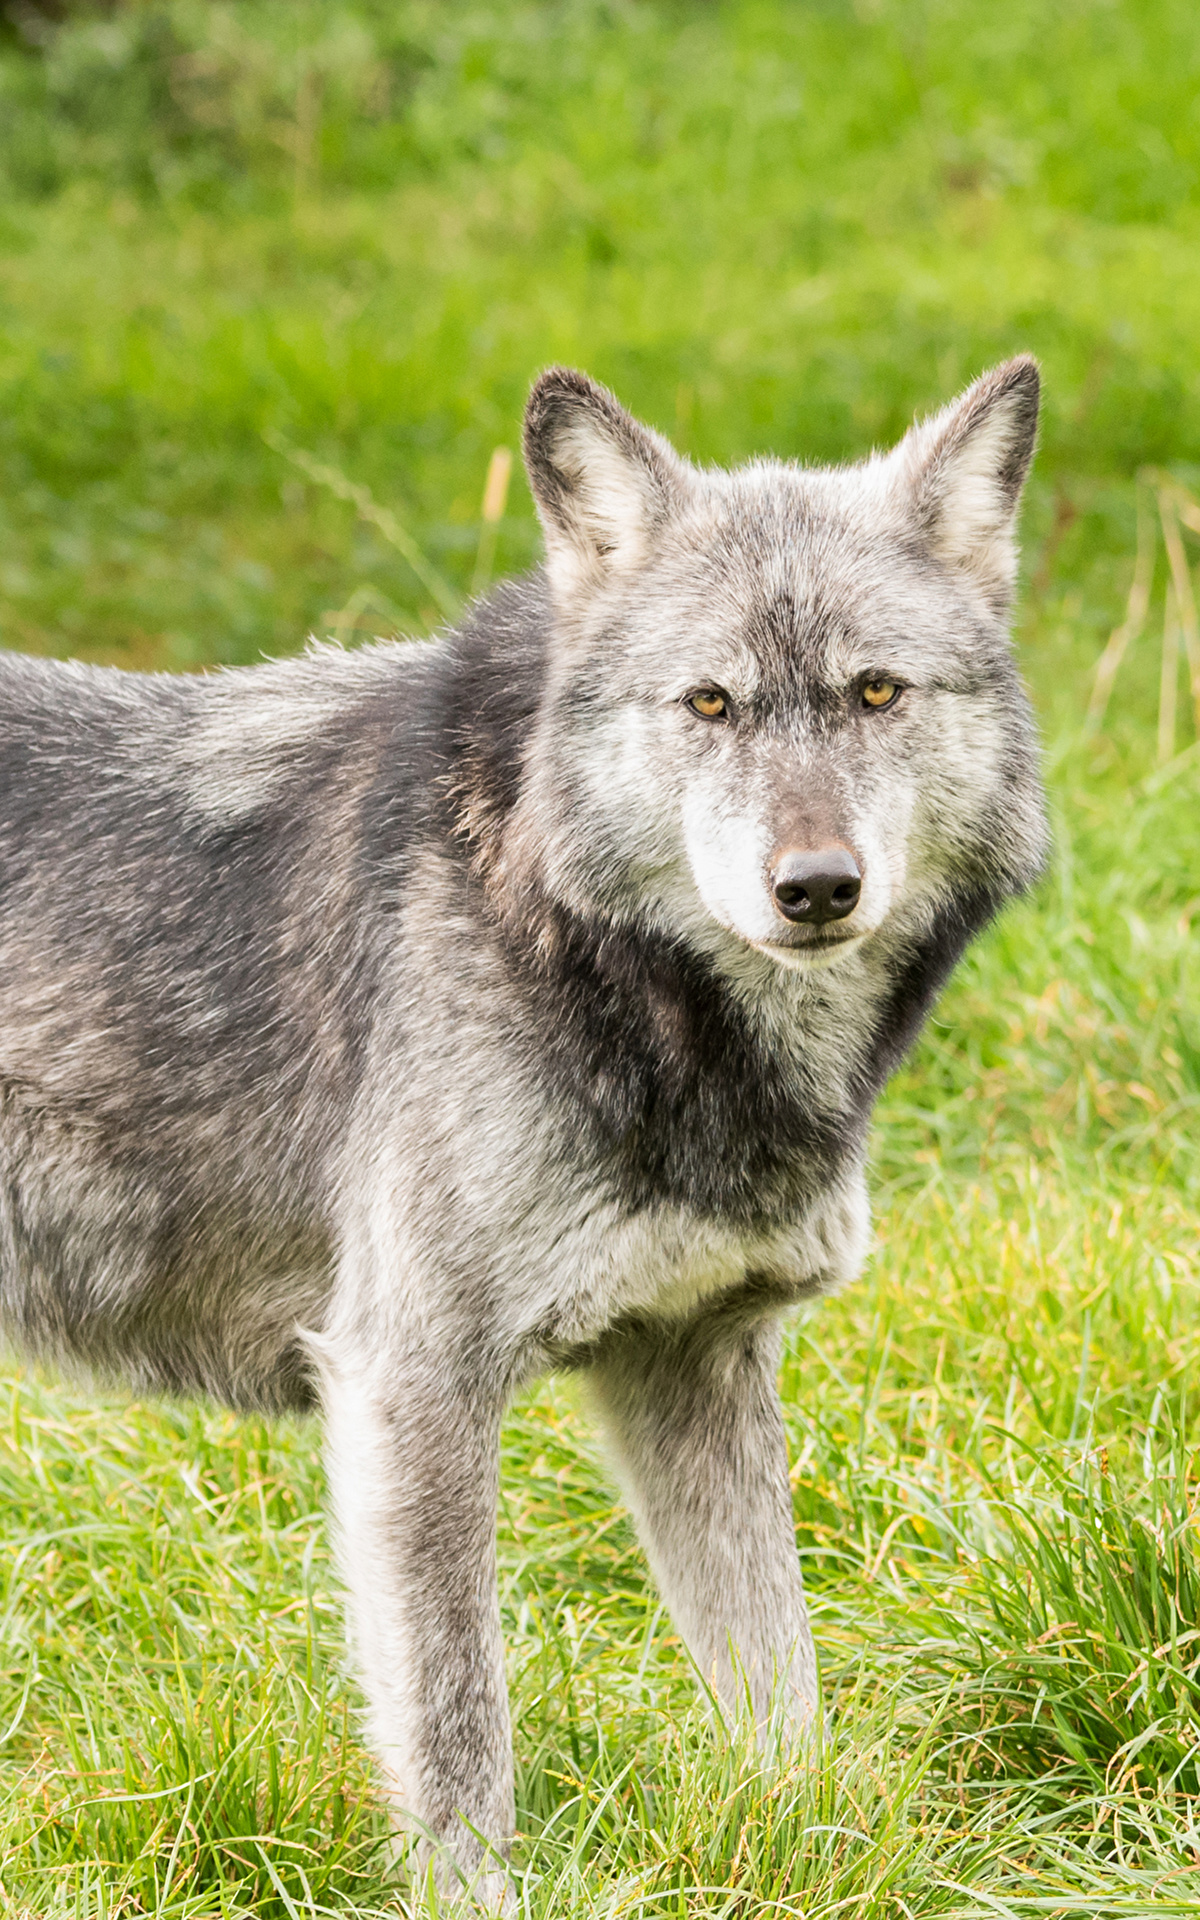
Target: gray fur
(386,1027)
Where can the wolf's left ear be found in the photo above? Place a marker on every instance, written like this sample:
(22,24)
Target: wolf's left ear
(604,484)
(963,471)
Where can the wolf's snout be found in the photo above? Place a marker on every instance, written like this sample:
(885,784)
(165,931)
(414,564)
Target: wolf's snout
(816,885)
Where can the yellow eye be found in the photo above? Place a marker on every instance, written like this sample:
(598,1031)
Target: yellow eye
(879,693)
(709,703)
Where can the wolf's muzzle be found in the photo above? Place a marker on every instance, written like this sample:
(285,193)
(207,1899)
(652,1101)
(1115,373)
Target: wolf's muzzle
(816,885)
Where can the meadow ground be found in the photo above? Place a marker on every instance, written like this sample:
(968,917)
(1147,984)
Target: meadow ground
(229,233)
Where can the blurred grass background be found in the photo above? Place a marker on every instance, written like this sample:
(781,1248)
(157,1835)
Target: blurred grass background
(358,230)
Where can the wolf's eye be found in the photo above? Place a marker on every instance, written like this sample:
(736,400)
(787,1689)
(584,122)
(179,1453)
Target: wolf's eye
(879,693)
(708,703)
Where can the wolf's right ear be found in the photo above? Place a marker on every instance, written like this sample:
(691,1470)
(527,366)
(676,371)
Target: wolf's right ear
(604,484)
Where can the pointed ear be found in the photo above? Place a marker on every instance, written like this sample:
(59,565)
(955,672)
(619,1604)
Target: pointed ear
(603,484)
(963,471)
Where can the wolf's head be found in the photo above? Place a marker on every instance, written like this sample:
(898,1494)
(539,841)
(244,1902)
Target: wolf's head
(782,713)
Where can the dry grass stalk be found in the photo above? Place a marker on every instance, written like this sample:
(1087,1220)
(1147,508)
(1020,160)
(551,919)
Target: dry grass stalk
(1170,505)
(1175,509)
(1168,680)
(495,498)
(1136,609)
(368,509)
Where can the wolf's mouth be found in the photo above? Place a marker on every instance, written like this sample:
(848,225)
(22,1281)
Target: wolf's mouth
(820,952)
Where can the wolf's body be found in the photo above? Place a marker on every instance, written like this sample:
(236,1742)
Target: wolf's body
(387,1027)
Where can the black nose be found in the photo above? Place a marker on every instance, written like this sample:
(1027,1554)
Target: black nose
(816,885)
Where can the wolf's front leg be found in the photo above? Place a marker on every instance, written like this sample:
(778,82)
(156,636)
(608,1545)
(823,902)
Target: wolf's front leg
(413,1448)
(693,1417)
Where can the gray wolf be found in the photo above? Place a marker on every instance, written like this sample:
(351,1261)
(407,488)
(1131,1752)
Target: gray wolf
(381,1028)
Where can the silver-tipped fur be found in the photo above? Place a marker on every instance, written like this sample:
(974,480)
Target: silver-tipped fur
(380,1028)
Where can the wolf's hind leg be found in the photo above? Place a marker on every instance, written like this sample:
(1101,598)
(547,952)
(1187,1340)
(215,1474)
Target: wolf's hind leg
(413,1453)
(693,1418)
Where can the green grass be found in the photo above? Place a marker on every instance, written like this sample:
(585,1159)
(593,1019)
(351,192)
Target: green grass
(357,230)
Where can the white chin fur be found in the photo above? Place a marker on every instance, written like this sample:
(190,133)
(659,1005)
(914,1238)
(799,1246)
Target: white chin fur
(809,959)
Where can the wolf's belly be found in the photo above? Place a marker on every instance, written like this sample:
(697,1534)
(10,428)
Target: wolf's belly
(105,1268)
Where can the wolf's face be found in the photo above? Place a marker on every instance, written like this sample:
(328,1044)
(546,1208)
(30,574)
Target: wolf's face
(782,704)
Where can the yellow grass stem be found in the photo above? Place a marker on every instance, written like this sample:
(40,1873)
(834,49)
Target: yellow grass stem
(1170,506)
(1168,683)
(1137,606)
(495,498)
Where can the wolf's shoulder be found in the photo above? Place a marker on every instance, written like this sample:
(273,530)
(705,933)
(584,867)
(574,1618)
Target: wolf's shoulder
(372,733)
(64,698)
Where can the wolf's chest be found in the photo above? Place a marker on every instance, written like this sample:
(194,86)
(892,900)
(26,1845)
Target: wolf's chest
(582,1263)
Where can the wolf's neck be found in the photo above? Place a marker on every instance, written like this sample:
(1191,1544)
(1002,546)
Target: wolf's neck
(670,1087)
(687,1086)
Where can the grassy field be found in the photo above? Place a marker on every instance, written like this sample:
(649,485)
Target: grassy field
(250,248)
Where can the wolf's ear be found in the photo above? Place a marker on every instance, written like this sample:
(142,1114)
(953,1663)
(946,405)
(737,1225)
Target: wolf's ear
(963,471)
(603,483)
